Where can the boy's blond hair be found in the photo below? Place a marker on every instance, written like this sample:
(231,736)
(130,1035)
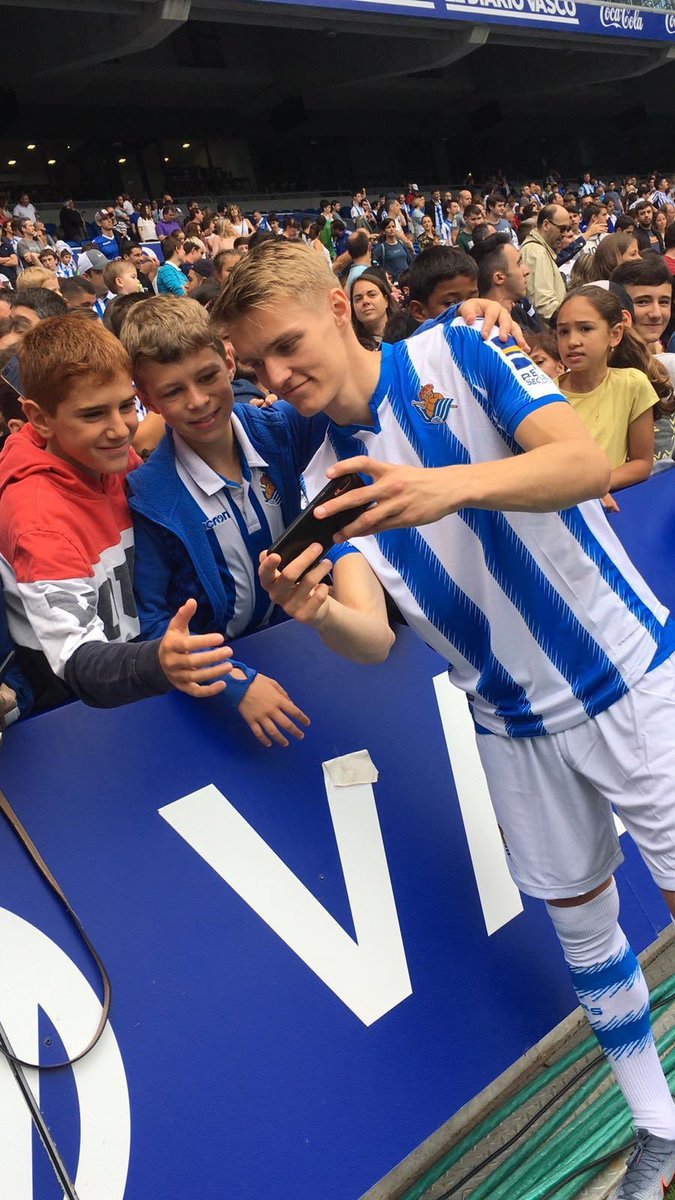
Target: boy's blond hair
(113,270)
(166,330)
(33,277)
(272,270)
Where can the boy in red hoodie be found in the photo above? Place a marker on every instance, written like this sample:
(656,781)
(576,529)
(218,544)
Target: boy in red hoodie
(66,536)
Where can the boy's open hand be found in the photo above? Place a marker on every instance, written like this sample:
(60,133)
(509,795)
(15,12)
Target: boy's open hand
(493,314)
(189,660)
(305,601)
(267,710)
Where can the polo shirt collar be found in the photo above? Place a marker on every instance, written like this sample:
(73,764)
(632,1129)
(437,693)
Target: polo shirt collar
(203,475)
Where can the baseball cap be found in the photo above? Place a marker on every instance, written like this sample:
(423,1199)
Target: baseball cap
(414,187)
(203,267)
(91,260)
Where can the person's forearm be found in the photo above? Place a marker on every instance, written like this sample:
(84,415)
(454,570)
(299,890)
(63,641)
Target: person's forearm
(360,636)
(635,471)
(547,479)
(107,674)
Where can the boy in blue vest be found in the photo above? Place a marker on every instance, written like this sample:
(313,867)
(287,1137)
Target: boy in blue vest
(221,486)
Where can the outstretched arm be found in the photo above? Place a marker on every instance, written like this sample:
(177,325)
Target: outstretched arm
(562,465)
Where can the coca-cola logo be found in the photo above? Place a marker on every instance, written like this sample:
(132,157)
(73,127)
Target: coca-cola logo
(615,17)
(670,22)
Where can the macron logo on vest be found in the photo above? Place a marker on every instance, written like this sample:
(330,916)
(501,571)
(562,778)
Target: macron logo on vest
(219,520)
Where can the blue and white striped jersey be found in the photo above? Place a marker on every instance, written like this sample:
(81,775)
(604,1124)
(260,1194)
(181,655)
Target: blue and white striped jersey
(240,519)
(542,616)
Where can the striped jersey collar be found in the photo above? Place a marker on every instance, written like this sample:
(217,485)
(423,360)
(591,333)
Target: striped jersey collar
(204,476)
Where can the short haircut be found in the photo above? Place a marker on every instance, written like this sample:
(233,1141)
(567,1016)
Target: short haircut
(241,241)
(50,250)
(547,213)
(33,277)
(472,210)
(116,311)
(438,264)
(489,255)
(42,301)
(63,351)
(206,292)
(546,341)
(23,221)
(78,283)
(224,256)
(274,269)
(112,270)
(15,323)
(168,208)
(193,243)
(494,199)
(650,271)
(357,243)
(624,221)
(170,245)
(165,329)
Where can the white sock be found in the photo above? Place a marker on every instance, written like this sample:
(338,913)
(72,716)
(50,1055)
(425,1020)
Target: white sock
(612,989)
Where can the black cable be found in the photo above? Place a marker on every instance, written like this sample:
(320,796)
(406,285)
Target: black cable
(37,1117)
(513,1141)
(597,1162)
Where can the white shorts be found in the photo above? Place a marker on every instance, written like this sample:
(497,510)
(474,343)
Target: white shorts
(553,796)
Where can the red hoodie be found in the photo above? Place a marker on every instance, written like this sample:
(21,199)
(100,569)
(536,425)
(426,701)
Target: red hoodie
(66,551)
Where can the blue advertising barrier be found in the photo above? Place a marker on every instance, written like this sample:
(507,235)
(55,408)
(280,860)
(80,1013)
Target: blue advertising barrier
(313,968)
(655,23)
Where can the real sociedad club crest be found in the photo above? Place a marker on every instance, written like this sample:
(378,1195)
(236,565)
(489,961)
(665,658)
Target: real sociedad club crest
(270,490)
(433,406)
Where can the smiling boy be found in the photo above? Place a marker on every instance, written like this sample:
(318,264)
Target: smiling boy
(66,538)
(479,530)
(217,491)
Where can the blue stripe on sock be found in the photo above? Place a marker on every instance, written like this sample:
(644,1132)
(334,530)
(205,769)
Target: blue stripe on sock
(607,978)
(625,1036)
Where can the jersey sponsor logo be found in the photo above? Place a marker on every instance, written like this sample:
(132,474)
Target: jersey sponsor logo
(434,406)
(270,491)
(219,520)
(528,371)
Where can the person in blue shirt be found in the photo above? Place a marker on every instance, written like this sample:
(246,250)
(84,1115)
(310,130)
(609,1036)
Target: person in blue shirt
(106,241)
(219,489)
(171,279)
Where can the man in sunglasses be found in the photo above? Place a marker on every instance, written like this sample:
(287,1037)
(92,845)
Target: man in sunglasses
(106,241)
(545,284)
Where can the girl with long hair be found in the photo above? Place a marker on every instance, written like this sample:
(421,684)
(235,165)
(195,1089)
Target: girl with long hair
(373,307)
(613,250)
(618,388)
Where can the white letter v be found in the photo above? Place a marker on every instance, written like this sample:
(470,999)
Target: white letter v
(370,975)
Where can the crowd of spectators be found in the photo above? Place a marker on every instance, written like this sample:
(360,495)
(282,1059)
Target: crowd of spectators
(95,312)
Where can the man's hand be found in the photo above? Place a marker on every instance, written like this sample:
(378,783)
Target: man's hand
(264,401)
(493,314)
(189,661)
(267,710)
(306,600)
(403,496)
(609,503)
(7,699)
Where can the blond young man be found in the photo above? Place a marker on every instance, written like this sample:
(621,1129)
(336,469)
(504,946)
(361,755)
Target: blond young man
(484,529)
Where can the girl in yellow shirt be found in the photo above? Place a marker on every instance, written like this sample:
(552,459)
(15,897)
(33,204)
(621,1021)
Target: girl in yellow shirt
(610,379)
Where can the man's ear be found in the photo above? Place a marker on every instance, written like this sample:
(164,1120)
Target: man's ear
(340,306)
(416,308)
(144,399)
(15,424)
(38,418)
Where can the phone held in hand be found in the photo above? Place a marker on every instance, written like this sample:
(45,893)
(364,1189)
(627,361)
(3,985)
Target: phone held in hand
(306,528)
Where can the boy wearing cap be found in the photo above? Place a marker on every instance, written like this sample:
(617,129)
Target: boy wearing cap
(91,266)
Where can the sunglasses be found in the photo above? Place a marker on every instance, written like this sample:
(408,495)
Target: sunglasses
(562,228)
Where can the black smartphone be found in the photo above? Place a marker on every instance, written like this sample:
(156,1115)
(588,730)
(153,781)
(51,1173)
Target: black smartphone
(5,664)
(307,528)
(12,375)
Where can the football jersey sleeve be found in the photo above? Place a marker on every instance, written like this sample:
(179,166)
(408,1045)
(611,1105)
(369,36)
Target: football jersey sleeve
(514,384)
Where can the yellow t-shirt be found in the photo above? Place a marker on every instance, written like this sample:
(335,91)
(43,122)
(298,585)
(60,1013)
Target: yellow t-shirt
(624,395)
